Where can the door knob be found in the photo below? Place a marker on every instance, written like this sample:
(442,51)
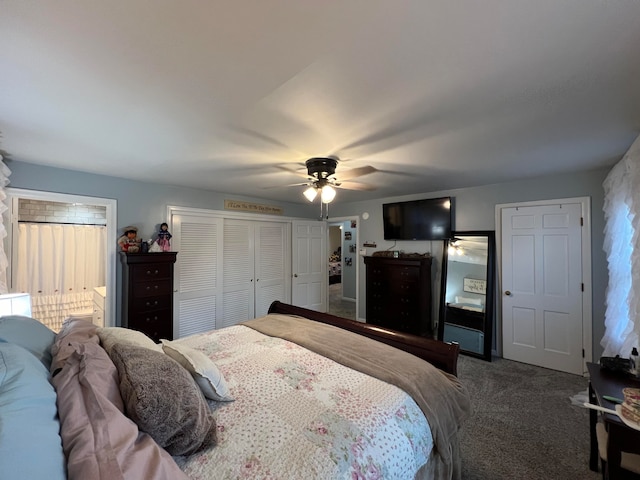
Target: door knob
(507,293)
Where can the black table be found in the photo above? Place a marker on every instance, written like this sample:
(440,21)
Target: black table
(621,438)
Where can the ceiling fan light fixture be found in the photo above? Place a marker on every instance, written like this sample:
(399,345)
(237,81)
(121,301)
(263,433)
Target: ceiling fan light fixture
(328,194)
(311,193)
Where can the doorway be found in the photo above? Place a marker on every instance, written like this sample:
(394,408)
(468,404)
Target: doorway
(546,283)
(342,243)
(66,218)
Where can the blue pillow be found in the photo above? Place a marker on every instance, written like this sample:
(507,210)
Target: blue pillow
(30,334)
(30,443)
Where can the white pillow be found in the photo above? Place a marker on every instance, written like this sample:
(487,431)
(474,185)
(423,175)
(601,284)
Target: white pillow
(469,301)
(206,374)
(109,336)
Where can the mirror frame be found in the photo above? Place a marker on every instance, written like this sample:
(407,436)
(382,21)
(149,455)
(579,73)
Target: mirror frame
(489,309)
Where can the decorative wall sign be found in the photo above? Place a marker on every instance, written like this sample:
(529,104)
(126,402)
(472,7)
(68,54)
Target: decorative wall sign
(473,285)
(252,207)
(347,235)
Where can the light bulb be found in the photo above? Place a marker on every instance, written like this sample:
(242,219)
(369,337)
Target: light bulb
(310,193)
(328,193)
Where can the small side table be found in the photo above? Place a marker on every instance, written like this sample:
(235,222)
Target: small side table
(621,437)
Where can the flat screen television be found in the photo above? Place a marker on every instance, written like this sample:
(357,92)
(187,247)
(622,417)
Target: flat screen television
(428,219)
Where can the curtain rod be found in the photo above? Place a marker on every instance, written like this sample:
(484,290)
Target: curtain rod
(64,223)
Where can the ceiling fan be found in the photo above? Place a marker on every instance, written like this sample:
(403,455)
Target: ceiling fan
(321,179)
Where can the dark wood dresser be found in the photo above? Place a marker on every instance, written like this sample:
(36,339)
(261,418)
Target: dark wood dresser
(147,293)
(399,293)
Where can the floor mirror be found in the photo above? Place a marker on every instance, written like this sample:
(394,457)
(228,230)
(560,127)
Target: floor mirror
(467,292)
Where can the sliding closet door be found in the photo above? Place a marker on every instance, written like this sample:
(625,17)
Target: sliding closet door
(257,268)
(198,273)
(272,266)
(239,290)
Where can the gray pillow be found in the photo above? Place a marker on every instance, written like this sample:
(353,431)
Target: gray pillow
(164,400)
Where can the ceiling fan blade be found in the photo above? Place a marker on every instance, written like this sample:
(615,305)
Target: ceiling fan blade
(355,186)
(356,172)
(300,172)
(285,186)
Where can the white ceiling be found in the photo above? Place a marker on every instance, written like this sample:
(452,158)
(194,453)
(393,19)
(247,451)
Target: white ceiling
(221,95)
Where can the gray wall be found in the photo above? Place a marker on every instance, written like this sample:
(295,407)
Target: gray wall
(144,205)
(139,203)
(349,271)
(474,209)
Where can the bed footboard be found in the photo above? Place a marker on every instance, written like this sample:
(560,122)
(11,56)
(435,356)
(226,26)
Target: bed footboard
(440,354)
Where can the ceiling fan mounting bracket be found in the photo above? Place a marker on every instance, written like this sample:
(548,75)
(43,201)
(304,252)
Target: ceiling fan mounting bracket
(321,167)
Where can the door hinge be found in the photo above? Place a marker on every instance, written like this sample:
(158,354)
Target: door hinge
(583,353)
(582,221)
(582,287)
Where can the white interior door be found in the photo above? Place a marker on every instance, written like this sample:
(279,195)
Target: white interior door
(542,285)
(197,273)
(309,283)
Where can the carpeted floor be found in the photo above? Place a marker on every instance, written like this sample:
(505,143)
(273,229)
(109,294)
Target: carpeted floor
(523,424)
(338,306)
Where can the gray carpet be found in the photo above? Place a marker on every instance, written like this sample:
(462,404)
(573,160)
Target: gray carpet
(338,306)
(523,424)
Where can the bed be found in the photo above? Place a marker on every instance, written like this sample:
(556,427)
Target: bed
(335,272)
(294,394)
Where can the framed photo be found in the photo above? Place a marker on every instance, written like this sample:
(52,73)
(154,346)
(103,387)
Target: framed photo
(473,285)
(347,235)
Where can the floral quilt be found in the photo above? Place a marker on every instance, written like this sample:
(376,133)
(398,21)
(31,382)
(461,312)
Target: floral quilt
(298,414)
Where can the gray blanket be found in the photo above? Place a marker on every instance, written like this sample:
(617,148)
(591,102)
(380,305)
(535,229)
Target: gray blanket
(442,398)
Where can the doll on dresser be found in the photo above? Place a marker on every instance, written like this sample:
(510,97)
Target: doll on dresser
(163,238)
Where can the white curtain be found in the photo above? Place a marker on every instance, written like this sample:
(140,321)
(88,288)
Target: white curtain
(621,237)
(4,263)
(59,265)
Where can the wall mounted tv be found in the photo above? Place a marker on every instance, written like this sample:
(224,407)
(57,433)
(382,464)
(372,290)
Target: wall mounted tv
(428,219)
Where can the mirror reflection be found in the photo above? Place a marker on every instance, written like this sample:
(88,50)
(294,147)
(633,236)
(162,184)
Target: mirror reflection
(466,306)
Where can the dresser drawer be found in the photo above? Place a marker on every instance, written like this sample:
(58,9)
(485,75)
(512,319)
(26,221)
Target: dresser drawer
(153,288)
(402,274)
(156,324)
(145,304)
(143,273)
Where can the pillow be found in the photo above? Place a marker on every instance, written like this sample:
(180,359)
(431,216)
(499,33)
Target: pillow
(30,445)
(74,331)
(162,398)
(202,368)
(469,300)
(99,440)
(109,336)
(30,334)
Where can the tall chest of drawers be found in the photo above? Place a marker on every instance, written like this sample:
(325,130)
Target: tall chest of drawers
(147,293)
(399,293)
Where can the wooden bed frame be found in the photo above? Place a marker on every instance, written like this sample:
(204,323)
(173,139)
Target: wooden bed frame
(440,354)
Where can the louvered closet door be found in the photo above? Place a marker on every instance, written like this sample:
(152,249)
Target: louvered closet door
(198,273)
(239,291)
(272,265)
